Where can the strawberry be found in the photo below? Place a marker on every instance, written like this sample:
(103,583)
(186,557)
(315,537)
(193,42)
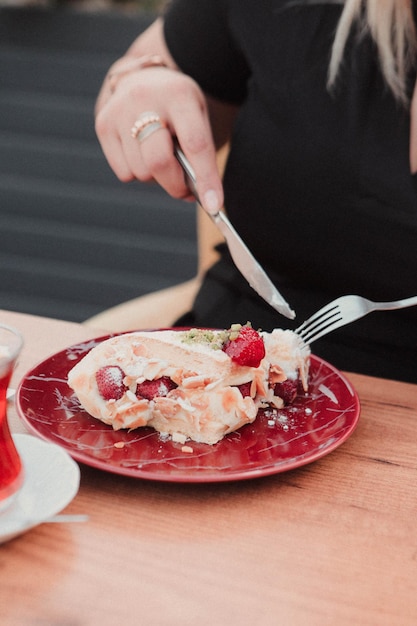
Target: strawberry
(110,382)
(149,389)
(244,389)
(247,348)
(287,390)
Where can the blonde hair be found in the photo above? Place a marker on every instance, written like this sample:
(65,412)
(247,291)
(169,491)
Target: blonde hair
(391,25)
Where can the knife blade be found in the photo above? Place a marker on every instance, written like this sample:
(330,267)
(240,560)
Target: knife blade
(244,260)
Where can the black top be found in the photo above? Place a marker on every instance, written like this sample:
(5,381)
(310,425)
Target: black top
(317,184)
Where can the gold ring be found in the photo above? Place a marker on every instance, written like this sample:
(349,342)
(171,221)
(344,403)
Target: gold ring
(145,125)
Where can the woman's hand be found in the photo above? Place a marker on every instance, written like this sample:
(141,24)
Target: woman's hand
(182,108)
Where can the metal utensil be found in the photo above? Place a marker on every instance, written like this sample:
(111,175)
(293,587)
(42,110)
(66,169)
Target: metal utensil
(343,311)
(240,253)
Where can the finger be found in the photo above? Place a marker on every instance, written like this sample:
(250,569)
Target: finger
(153,151)
(195,138)
(113,150)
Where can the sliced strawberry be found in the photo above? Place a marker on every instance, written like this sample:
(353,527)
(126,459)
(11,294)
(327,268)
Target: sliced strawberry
(247,348)
(244,389)
(287,390)
(110,382)
(149,389)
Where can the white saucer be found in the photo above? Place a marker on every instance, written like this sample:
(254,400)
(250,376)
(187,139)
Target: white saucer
(52,479)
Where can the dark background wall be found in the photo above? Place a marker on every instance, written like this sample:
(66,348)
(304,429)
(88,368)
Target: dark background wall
(74,240)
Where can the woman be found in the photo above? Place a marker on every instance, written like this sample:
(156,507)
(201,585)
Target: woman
(317,101)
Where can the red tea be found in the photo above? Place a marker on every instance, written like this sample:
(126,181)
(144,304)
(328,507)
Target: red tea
(11,474)
(10,463)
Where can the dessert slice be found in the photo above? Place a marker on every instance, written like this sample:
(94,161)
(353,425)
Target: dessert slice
(192,384)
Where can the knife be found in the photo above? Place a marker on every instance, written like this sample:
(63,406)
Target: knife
(240,253)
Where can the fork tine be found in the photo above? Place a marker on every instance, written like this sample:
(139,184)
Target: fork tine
(311,334)
(327,312)
(318,315)
(319,323)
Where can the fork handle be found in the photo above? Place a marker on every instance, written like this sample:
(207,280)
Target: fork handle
(396,304)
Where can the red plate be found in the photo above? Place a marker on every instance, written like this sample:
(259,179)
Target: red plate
(276,442)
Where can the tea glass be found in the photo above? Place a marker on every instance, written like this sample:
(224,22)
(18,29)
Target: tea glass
(11,468)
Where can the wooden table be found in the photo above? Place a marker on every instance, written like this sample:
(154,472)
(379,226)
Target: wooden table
(332,543)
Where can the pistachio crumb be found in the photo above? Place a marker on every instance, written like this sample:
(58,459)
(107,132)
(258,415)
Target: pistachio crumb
(213,339)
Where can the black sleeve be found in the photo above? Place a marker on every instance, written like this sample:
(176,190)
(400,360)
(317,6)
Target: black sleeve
(200,39)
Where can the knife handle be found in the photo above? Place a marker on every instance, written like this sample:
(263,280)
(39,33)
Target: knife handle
(189,175)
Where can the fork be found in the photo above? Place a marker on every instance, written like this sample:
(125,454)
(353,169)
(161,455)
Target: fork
(343,311)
